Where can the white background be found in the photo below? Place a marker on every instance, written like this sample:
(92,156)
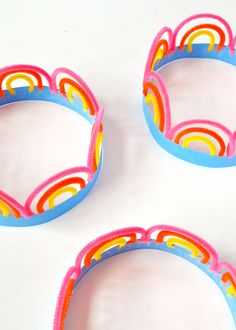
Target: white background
(107,43)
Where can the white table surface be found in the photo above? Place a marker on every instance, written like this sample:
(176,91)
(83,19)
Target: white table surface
(107,43)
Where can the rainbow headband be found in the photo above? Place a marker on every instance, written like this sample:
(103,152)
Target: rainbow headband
(178,139)
(163,238)
(66,88)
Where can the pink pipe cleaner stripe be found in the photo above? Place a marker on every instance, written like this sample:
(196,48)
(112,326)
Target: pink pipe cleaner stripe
(153,47)
(231,144)
(206,15)
(29,67)
(24,212)
(61,297)
(199,240)
(78,79)
(95,131)
(233,45)
(164,92)
(52,179)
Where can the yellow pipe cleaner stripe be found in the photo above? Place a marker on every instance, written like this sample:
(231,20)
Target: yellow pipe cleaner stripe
(151,98)
(171,242)
(70,91)
(121,242)
(4,209)
(19,76)
(97,149)
(158,57)
(59,192)
(211,145)
(200,33)
(231,291)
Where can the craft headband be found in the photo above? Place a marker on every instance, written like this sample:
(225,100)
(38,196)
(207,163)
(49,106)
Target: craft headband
(167,47)
(66,88)
(163,238)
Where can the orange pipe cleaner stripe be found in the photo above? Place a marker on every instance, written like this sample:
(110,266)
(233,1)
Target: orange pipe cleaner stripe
(14,210)
(90,254)
(204,26)
(206,254)
(165,45)
(228,277)
(71,82)
(57,186)
(33,73)
(158,97)
(207,131)
(67,302)
(94,163)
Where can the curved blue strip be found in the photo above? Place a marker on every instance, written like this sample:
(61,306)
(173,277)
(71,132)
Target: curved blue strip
(22,94)
(198,51)
(178,251)
(192,156)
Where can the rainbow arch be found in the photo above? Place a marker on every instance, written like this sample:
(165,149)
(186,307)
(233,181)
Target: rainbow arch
(212,22)
(77,85)
(200,30)
(155,93)
(159,49)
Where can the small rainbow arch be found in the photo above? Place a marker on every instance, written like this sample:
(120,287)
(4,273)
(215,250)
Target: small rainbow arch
(210,133)
(57,190)
(107,243)
(203,29)
(156,99)
(79,90)
(206,254)
(159,49)
(54,187)
(23,74)
(75,85)
(208,17)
